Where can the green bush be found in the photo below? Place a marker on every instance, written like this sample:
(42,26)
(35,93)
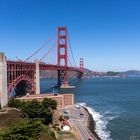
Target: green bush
(66,117)
(35,109)
(24,130)
(38,114)
(49,103)
(15,103)
(61,118)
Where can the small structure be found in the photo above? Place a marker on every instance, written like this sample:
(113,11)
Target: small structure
(65,126)
(28,95)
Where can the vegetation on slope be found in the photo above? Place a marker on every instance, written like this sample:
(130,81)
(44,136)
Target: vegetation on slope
(34,123)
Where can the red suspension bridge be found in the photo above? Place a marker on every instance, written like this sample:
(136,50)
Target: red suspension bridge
(23,75)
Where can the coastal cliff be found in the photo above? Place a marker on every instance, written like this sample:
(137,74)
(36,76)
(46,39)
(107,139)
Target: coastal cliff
(91,125)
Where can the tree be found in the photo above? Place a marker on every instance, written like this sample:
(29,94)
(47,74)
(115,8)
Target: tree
(14,103)
(61,118)
(35,109)
(48,102)
(24,130)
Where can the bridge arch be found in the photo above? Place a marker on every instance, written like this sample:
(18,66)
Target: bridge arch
(20,79)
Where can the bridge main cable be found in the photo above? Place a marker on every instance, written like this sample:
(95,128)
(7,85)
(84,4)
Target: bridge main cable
(46,54)
(71,50)
(39,48)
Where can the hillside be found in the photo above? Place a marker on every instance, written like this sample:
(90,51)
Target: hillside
(132,73)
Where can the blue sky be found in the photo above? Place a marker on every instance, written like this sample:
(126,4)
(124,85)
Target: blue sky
(106,33)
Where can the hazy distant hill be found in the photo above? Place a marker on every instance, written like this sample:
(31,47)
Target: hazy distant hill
(112,73)
(132,73)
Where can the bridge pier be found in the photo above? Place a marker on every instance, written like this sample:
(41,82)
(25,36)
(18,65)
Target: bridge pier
(62,79)
(37,78)
(3,80)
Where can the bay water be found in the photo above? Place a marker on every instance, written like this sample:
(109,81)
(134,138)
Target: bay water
(113,102)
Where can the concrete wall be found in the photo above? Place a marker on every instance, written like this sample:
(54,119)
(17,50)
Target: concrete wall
(63,100)
(37,78)
(3,80)
(68,99)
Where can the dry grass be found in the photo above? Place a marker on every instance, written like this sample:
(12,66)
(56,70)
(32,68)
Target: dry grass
(56,117)
(65,136)
(7,119)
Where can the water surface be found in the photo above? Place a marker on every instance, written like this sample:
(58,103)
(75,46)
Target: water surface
(114,104)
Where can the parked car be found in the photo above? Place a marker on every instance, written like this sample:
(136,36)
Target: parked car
(77,106)
(81,114)
(66,112)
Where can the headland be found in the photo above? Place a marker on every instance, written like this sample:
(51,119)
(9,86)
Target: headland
(79,117)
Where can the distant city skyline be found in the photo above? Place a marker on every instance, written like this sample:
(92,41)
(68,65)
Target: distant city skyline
(105,33)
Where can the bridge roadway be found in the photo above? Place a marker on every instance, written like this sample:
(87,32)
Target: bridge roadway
(30,66)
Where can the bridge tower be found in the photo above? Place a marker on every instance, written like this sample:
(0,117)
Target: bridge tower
(62,57)
(81,64)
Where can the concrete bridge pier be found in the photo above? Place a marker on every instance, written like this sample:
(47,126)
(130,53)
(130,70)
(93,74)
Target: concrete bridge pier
(3,80)
(37,78)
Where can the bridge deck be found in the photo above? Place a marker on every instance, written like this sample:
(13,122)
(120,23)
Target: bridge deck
(43,66)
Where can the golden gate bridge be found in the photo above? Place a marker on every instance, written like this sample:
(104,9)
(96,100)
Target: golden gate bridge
(18,74)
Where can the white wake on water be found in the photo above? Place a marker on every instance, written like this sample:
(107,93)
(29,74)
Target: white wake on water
(100,123)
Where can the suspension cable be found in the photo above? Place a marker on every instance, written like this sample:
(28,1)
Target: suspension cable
(71,49)
(40,48)
(46,54)
(69,62)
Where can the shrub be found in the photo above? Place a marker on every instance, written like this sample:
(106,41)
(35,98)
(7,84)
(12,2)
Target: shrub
(35,109)
(66,117)
(49,103)
(61,118)
(14,103)
(24,130)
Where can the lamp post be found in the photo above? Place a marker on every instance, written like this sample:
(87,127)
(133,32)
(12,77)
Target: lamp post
(53,88)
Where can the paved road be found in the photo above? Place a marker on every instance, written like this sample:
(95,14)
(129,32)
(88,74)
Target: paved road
(78,120)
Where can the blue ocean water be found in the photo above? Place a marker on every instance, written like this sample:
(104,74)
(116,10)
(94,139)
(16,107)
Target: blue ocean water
(113,102)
